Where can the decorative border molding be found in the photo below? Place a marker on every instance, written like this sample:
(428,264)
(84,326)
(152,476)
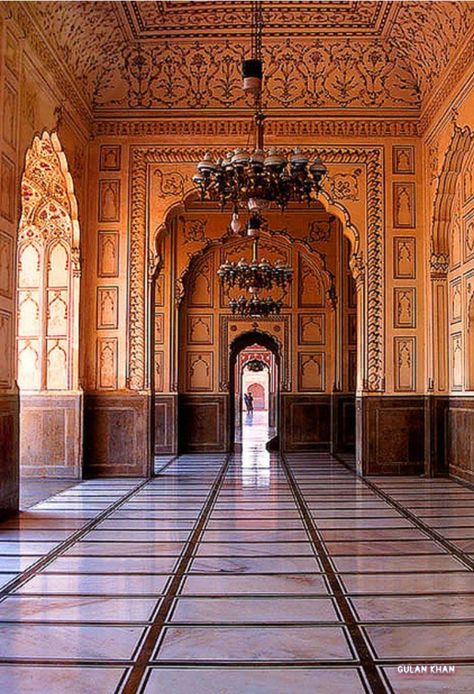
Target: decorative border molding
(143,156)
(183,127)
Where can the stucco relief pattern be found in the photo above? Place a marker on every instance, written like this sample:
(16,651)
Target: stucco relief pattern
(371,68)
(297,74)
(142,157)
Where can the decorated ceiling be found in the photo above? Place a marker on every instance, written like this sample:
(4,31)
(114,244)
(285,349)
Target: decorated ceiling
(176,55)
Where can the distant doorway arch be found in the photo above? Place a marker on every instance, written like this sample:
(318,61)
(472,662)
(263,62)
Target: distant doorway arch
(245,340)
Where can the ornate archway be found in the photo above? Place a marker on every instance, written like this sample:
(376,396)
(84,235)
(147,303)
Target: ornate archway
(48,290)
(170,171)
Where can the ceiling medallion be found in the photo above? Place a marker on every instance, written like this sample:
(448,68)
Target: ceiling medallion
(254,180)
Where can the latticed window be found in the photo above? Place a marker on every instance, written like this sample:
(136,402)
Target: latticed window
(47,267)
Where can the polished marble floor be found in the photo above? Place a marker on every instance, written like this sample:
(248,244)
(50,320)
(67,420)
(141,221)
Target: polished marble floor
(245,573)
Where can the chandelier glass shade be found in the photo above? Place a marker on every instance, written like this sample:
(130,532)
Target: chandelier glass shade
(253,277)
(256,365)
(256,275)
(257,178)
(244,178)
(255,307)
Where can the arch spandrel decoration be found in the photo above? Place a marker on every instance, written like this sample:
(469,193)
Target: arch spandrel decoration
(459,148)
(182,161)
(48,270)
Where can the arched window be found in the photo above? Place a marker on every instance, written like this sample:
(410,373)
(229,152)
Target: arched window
(48,271)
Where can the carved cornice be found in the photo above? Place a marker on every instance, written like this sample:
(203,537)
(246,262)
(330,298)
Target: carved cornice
(142,157)
(18,13)
(166,127)
(454,78)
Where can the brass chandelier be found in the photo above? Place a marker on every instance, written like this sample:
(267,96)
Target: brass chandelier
(252,181)
(255,179)
(256,365)
(253,277)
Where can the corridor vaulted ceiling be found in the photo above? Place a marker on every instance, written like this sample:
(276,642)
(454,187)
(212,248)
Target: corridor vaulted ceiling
(355,56)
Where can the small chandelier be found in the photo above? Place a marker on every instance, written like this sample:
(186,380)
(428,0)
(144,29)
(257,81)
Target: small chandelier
(255,365)
(253,277)
(258,178)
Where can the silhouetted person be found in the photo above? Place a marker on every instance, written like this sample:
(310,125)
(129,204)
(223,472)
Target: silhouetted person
(248,397)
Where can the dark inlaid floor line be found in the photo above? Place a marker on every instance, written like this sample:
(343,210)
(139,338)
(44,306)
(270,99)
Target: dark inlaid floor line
(449,546)
(63,546)
(145,654)
(365,657)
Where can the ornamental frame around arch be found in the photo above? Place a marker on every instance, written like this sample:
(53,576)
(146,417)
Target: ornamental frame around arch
(458,150)
(370,157)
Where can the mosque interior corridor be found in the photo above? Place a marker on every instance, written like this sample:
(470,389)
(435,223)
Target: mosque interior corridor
(243,573)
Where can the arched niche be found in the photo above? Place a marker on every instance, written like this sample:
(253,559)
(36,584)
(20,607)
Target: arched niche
(48,293)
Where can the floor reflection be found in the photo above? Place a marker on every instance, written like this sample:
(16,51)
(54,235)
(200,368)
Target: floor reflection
(253,436)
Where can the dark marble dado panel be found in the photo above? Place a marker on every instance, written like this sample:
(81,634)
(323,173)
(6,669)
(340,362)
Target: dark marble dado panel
(343,423)
(436,410)
(390,435)
(9,454)
(460,438)
(203,424)
(165,424)
(305,422)
(51,435)
(116,435)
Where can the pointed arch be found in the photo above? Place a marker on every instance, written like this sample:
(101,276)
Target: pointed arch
(458,150)
(48,270)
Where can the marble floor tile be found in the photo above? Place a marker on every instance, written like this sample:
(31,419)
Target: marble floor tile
(373,534)
(254,643)
(95,584)
(255,585)
(45,608)
(6,578)
(248,610)
(254,549)
(32,535)
(44,642)
(29,679)
(253,681)
(12,564)
(255,524)
(381,564)
(241,565)
(415,608)
(433,681)
(146,524)
(139,535)
(409,583)
(254,535)
(433,641)
(116,565)
(125,549)
(384,547)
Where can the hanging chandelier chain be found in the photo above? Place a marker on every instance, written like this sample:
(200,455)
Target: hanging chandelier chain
(257,16)
(253,181)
